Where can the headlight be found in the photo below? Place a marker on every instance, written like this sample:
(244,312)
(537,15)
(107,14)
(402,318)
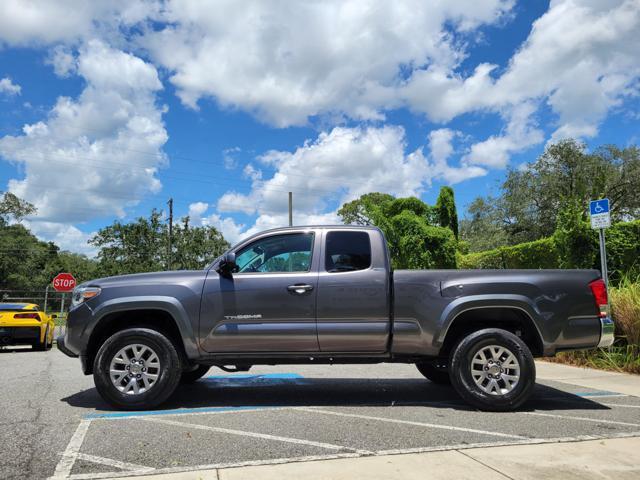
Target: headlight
(81,294)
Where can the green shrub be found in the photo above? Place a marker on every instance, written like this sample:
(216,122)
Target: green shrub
(415,244)
(576,242)
(623,251)
(570,247)
(538,254)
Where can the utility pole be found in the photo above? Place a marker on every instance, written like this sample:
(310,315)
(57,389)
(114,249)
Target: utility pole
(170,203)
(291,209)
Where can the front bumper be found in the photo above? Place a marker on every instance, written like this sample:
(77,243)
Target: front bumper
(63,348)
(607,330)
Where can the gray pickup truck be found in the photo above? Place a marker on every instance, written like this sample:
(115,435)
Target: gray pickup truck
(325,295)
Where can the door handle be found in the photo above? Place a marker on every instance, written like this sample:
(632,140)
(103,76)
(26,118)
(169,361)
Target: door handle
(299,289)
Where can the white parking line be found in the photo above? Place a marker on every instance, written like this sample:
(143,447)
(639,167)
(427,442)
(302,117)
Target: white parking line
(619,405)
(276,461)
(69,456)
(581,419)
(408,422)
(244,433)
(192,468)
(113,463)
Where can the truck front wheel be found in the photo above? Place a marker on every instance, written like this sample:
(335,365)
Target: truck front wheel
(136,368)
(493,370)
(435,372)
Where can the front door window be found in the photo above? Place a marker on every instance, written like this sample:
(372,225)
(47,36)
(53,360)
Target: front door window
(277,254)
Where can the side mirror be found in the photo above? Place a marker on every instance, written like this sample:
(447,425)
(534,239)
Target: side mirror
(54,315)
(227,264)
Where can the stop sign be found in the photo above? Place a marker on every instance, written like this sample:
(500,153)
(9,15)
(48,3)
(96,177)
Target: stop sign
(64,282)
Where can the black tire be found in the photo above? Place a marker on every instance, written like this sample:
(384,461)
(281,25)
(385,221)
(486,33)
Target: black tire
(434,373)
(42,346)
(169,372)
(462,379)
(194,375)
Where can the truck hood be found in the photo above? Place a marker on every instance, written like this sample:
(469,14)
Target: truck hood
(156,278)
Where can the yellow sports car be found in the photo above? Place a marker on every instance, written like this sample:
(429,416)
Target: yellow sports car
(25,324)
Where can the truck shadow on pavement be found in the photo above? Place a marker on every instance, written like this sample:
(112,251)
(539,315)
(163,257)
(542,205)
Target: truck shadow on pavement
(258,391)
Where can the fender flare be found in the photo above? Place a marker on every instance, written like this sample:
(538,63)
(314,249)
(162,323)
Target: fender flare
(166,304)
(476,302)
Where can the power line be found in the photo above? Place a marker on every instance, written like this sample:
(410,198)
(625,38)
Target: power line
(164,155)
(207,179)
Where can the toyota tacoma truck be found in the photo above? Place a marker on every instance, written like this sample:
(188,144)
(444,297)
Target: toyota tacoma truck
(328,295)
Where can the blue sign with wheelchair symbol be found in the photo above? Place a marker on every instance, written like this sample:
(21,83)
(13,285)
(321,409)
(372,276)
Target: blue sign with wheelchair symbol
(598,207)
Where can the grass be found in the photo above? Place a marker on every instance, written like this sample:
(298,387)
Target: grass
(622,358)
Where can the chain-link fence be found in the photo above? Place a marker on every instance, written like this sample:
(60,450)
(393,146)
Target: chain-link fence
(51,302)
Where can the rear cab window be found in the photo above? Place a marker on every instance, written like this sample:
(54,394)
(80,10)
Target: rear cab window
(347,251)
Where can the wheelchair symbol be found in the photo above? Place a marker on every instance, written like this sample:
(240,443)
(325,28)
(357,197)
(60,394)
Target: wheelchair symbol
(598,208)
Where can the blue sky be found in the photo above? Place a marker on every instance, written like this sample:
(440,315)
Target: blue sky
(108,109)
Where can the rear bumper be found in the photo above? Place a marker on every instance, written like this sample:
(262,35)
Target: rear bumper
(607,329)
(63,348)
(20,335)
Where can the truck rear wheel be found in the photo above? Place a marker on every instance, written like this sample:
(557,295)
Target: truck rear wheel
(434,372)
(493,370)
(136,369)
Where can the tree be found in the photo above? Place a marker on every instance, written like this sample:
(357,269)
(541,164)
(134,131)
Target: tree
(12,207)
(410,227)
(194,248)
(135,247)
(446,210)
(576,242)
(483,228)
(566,173)
(27,263)
(141,246)
(363,210)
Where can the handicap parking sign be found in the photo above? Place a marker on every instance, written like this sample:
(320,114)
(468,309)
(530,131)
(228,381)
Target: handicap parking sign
(599,210)
(598,207)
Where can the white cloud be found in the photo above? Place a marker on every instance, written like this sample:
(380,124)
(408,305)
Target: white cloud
(287,61)
(9,88)
(229,159)
(94,155)
(63,61)
(45,22)
(67,237)
(337,167)
(231,231)
(582,57)
(521,133)
(196,210)
(441,148)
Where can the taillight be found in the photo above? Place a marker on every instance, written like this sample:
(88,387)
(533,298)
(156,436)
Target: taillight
(599,291)
(27,315)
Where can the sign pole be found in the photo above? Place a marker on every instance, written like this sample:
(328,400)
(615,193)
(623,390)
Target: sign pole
(603,259)
(62,305)
(291,209)
(601,219)
(46,297)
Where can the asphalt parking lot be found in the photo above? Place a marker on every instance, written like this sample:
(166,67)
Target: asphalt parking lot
(55,424)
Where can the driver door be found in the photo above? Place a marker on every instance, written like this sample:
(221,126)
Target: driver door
(268,304)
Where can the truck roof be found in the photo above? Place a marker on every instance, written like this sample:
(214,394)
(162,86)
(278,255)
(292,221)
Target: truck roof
(320,227)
